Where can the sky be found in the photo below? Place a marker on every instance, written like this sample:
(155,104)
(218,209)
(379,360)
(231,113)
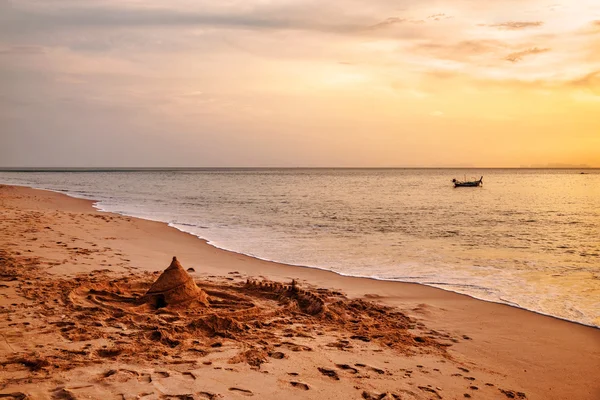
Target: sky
(353,83)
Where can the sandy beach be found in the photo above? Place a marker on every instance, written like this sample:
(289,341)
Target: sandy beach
(75,325)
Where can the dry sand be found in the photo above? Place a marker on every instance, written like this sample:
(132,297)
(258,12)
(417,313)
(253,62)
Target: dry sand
(76,323)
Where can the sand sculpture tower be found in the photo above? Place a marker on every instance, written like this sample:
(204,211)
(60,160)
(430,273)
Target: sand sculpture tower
(175,287)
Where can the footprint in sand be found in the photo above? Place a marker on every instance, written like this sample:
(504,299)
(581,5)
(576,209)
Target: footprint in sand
(209,395)
(374,369)
(430,390)
(245,392)
(121,375)
(511,394)
(347,367)
(299,385)
(109,353)
(190,374)
(329,372)
(340,344)
(278,355)
(14,396)
(384,396)
(294,346)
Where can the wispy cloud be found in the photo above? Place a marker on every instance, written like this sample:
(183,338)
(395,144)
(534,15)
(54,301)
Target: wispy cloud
(394,21)
(438,17)
(591,80)
(110,15)
(388,22)
(519,55)
(462,50)
(516,25)
(589,83)
(22,50)
(589,29)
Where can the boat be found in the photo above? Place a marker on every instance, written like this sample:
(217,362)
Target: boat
(466,183)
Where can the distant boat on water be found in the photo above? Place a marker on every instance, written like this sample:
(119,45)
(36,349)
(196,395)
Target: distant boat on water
(466,183)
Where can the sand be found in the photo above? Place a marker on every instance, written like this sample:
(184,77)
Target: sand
(76,323)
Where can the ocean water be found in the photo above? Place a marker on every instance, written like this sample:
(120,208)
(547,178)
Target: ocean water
(529,238)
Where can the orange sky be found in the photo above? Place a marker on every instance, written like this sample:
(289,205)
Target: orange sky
(299,83)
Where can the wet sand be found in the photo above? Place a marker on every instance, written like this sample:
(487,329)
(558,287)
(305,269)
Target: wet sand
(74,323)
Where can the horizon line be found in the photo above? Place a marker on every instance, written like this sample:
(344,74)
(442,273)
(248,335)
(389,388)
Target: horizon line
(163,168)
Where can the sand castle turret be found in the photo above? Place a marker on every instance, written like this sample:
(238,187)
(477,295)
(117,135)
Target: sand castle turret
(174,287)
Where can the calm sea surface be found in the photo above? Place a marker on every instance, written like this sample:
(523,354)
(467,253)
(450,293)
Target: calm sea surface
(530,238)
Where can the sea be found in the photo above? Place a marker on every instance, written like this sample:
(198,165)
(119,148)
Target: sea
(528,237)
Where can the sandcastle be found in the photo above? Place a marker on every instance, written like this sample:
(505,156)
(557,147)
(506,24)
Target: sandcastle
(174,287)
(308,302)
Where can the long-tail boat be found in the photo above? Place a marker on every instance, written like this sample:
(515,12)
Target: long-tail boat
(466,183)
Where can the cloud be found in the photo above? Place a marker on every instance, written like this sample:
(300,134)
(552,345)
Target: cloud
(589,81)
(26,50)
(194,93)
(519,55)
(388,22)
(52,18)
(515,25)
(462,50)
(439,16)
(302,16)
(590,28)
(392,21)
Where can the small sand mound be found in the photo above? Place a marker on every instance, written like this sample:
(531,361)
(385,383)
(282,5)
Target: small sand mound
(174,287)
(254,357)
(216,325)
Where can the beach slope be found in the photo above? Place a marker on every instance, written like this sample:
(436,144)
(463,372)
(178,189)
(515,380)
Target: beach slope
(77,321)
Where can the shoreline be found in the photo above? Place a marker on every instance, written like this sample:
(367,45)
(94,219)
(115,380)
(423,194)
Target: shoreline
(208,242)
(542,356)
(95,204)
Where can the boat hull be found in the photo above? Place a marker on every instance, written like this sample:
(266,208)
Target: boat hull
(458,183)
(468,184)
